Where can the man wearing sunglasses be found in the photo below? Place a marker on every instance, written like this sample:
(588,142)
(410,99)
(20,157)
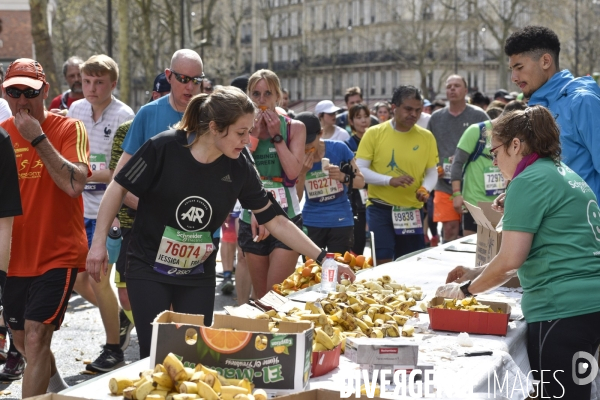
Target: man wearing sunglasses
(49,242)
(185,77)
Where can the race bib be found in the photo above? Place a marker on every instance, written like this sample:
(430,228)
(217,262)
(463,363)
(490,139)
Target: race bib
(183,253)
(278,191)
(493,181)
(97,163)
(364,196)
(447,165)
(320,187)
(407,221)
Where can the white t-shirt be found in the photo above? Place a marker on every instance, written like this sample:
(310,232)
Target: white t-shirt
(423,120)
(100,135)
(339,134)
(5,112)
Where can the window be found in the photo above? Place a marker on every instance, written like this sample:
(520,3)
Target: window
(325,87)
(383,82)
(284,53)
(372,83)
(337,82)
(264,55)
(313,85)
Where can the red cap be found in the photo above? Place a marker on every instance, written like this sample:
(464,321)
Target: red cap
(25,71)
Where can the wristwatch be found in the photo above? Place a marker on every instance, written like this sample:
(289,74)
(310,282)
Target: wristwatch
(465,289)
(277,139)
(346,178)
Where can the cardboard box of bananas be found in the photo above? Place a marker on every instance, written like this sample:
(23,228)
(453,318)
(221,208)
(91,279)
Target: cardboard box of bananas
(374,308)
(469,315)
(172,381)
(309,274)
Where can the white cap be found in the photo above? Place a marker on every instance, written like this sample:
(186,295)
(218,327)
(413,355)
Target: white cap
(326,106)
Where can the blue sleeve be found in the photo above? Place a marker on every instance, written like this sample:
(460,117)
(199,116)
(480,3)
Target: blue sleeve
(347,154)
(587,120)
(135,137)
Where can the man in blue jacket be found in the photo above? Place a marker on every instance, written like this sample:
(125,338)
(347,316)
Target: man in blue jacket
(575,102)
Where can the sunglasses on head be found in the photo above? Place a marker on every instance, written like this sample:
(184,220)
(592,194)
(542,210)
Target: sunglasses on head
(29,93)
(197,80)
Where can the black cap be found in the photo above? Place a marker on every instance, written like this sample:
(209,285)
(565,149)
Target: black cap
(161,84)
(502,93)
(241,82)
(313,126)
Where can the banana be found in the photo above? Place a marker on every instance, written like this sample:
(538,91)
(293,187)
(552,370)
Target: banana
(391,330)
(367,320)
(206,391)
(188,387)
(376,333)
(246,384)
(129,392)
(163,379)
(260,394)
(318,347)
(232,391)
(175,368)
(361,324)
(116,385)
(152,396)
(408,330)
(143,390)
(185,396)
(324,339)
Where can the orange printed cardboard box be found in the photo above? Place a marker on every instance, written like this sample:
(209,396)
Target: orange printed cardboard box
(238,348)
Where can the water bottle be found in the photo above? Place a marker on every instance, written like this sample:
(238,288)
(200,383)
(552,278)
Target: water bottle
(329,271)
(113,244)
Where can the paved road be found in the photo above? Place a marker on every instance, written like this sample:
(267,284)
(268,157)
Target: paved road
(81,337)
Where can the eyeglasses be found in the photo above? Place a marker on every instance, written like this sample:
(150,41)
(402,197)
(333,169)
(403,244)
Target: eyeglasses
(185,79)
(29,93)
(493,151)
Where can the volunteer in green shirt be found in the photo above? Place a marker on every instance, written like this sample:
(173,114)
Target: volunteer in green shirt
(474,177)
(551,238)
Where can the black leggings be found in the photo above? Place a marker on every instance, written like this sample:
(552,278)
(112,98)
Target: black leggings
(360,231)
(551,347)
(150,298)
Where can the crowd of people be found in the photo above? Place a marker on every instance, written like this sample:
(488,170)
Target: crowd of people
(203,168)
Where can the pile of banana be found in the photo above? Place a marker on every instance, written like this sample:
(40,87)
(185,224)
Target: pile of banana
(374,308)
(309,273)
(172,381)
(466,304)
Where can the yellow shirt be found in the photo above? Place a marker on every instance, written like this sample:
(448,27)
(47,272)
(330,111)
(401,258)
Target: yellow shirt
(395,153)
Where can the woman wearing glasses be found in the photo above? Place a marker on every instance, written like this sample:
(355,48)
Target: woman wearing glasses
(551,239)
(278,156)
(187,180)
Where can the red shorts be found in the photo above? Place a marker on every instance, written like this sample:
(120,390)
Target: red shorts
(443,208)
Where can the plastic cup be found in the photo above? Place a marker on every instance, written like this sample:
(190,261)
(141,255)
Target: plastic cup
(324,164)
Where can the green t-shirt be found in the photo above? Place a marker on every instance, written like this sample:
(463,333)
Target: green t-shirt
(482,180)
(269,167)
(561,276)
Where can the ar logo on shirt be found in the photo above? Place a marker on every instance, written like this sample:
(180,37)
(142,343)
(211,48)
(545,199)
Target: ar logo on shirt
(193,213)
(107,132)
(593,213)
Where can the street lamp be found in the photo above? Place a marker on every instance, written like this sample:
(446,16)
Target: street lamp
(483,53)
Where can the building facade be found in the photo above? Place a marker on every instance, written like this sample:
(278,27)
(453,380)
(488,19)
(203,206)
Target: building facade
(15,31)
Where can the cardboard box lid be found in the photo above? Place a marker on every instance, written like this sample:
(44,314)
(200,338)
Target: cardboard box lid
(389,341)
(53,396)
(484,215)
(230,321)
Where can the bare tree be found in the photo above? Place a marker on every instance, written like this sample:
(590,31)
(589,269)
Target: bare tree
(43,44)
(500,20)
(426,30)
(123,41)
